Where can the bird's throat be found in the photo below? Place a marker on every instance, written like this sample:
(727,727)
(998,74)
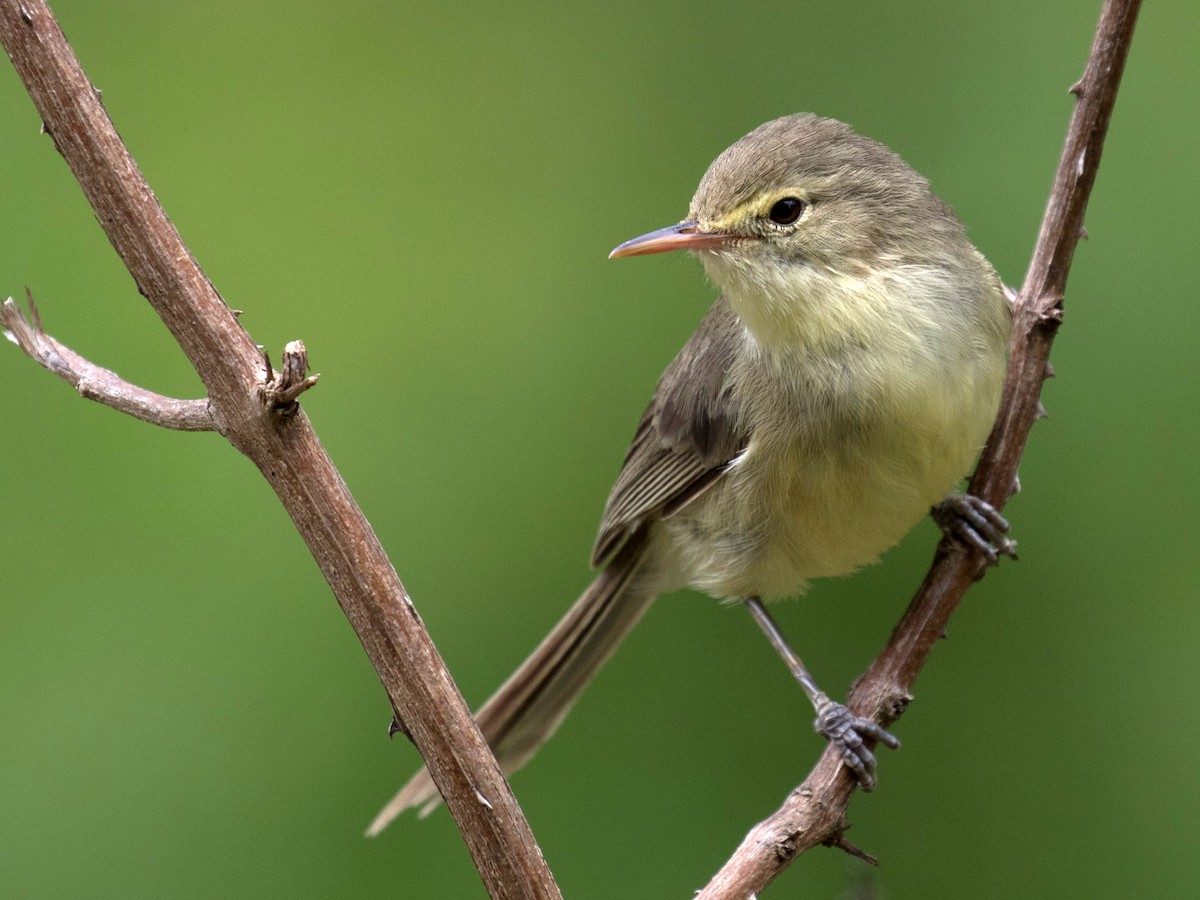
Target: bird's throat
(797,307)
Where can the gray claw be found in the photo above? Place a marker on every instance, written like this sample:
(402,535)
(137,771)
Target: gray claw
(976,523)
(847,732)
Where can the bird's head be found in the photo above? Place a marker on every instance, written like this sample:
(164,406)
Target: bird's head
(803,206)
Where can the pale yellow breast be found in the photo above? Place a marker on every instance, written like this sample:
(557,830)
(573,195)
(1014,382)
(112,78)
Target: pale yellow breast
(848,452)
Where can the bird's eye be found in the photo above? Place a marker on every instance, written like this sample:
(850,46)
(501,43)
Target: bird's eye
(786,211)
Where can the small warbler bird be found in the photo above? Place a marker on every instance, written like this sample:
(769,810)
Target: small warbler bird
(840,387)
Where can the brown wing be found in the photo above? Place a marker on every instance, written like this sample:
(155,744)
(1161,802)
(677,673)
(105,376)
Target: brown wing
(686,438)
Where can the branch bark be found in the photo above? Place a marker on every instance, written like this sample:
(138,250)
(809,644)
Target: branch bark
(243,403)
(815,812)
(97,383)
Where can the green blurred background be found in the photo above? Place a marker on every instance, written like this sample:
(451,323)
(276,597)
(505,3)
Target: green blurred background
(425,193)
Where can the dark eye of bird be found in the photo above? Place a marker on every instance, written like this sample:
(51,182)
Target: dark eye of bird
(786,211)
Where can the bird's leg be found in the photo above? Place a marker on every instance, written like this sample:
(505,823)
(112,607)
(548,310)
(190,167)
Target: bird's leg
(846,731)
(977,524)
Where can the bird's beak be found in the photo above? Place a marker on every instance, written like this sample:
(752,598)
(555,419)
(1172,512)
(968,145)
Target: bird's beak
(684,236)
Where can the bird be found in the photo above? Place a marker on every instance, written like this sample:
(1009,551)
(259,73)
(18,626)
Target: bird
(838,390)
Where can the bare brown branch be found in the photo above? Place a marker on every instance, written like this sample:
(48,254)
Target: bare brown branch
(97,383)
(286,451)
(815,812)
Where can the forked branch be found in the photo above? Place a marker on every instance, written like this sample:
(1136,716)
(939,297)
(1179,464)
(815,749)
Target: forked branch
(244,404)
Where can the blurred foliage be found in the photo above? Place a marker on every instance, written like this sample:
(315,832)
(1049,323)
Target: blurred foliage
(426,193)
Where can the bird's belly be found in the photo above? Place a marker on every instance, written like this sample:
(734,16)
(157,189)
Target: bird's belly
(804,509)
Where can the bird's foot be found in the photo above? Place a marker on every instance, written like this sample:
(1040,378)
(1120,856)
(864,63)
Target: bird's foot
(977,524)
(849,734)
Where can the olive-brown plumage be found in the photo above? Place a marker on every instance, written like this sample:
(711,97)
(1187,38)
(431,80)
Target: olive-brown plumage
(840,386)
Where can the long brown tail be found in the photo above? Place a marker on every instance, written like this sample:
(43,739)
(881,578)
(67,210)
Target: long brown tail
(527,709)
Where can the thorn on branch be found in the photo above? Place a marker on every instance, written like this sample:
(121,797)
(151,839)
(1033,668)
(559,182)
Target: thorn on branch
(899,703)
(1050,311)
(280,390)
(839,841)
(396,726)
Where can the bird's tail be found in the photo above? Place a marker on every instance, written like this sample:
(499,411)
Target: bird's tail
(528,708)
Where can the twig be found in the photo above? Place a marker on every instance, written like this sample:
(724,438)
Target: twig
(286,451)
(280,392)
(97,383)
(815,812)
